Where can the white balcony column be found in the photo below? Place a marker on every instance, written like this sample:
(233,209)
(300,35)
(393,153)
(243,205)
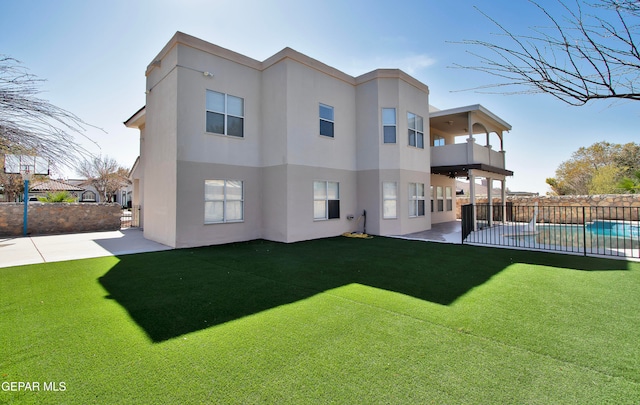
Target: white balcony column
(472,197)
(470,144)
(490,201)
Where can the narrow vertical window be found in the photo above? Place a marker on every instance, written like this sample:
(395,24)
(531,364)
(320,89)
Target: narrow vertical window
(449,198)
(389,200)
(440,198)
(223,201)
(431,195)
(326,200)
(225,114)
(326,120)
(416,199)
(416,130)
(389,125)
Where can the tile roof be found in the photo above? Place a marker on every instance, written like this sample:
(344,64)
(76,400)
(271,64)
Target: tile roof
(54,185)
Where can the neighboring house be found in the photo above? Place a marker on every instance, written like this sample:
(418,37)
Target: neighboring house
(91,194)
(41,188)
(290,149)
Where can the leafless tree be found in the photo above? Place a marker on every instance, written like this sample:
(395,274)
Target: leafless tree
(589,53)
(31,125)
(105,174)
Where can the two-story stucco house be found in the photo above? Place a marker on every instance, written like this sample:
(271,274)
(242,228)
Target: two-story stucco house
(290,149)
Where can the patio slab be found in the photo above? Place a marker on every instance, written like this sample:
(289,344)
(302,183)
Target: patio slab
(55,248)
(445,232)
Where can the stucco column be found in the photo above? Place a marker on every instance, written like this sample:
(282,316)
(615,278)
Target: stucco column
(503,197)
(472,196)
(490,201)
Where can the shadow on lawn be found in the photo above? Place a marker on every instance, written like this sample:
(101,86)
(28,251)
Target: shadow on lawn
(176,292)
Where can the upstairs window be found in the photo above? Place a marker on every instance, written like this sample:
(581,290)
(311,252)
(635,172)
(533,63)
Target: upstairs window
(389,125)
(225,114)
(326,200)
(438,141)
(416,130)
(416,199)
(326,120)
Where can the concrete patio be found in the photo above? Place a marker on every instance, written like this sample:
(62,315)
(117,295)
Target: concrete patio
(445,232)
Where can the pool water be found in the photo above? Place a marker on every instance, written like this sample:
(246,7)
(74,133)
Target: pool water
(621,229)
(599,234)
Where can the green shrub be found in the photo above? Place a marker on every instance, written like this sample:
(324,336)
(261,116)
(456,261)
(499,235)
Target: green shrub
(60,196)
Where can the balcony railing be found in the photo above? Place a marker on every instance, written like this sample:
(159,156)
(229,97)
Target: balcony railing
(466,154)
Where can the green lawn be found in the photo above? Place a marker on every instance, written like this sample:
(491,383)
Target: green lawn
(337,320)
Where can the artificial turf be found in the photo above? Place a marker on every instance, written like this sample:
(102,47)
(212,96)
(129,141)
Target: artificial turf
(336,320)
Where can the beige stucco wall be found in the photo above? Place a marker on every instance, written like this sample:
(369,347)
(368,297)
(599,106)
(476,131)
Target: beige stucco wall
(160,176)
(191,229)
(281,153)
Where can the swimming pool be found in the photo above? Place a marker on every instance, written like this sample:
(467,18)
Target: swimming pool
(592,238)
(617,238)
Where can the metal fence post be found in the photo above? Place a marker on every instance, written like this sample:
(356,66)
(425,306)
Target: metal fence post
(584,231)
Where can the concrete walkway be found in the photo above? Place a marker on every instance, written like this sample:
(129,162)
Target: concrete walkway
(55,248)
(446,232)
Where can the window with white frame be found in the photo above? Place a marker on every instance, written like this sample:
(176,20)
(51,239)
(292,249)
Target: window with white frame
(431,197)
(449,198)
(438,141)
(440,198)
(326,200)
(416,130)
(389,125)
(223,201)
(89,196)
(416,200)
(326,120)
(225,114)
(389,200)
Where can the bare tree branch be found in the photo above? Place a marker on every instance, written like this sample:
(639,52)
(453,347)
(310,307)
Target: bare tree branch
(580,56)
(33,126)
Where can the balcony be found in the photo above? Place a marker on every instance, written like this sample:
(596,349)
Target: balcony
(466,154)
(455,160)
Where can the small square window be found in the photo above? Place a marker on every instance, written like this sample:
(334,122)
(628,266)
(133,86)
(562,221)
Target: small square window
(223,201)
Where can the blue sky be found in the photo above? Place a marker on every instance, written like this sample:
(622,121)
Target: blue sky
(93,55)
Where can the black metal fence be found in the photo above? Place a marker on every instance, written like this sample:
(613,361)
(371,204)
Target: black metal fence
(130,217)
(609,231)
